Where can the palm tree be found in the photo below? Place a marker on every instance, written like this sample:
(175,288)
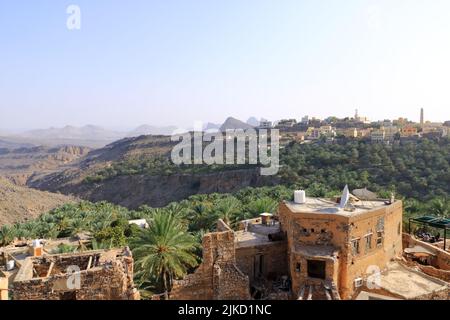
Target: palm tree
(76,226)
(227,209)
(440,207)
(201,217)
(262,205)
(412,206)
(65,248)
(176,208)
(20,231)
(164,251)
(101,245)
(99,225)
(6,235)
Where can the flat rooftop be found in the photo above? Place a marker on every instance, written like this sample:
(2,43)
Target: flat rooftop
(244,239)
(326,206)
(408,283)
(264,229)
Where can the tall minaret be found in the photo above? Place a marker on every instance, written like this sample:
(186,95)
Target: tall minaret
(421,117)
(356,114)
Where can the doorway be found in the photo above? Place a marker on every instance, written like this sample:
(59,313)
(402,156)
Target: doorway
(68,295)
(316,269)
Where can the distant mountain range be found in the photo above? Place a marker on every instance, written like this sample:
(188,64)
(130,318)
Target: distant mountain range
(145,130)
(88,136)
(96,137)
(90,132)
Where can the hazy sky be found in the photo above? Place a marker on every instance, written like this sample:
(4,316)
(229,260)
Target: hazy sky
(167,62)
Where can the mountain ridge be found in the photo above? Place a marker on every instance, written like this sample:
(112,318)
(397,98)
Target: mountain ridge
(233,124)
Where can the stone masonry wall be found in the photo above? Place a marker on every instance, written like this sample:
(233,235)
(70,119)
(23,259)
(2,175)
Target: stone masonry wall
(217,277)
(274,260)
(442,257)
(110,281)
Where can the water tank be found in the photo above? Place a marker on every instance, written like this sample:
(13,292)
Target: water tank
(300,196)
(36,243)
(10,265)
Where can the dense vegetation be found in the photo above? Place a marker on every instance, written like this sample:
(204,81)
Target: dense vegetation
(154,166)
(419,170)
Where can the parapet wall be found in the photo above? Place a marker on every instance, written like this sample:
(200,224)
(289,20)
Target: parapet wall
(442,257)
(434,272)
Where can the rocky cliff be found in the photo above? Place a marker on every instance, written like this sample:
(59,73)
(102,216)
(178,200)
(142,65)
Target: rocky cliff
(133,191)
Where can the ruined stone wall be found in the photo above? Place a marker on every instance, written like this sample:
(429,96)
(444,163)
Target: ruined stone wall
(434,272)
(195,286)
(274,260)
(217,277)
(442,257)
(110,281)
(229,283)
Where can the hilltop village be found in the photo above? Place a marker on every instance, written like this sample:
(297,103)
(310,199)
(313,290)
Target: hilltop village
(332,129)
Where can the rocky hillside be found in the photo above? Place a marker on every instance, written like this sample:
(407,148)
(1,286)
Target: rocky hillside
(18,204)
(132,191)
(136,171)
(21,164)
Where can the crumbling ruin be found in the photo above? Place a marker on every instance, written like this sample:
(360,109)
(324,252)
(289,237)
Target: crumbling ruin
(90,275)
(218,277)
(94,275)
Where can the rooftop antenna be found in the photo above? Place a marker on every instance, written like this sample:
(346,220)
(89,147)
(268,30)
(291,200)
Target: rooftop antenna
(345,197)
(392,199)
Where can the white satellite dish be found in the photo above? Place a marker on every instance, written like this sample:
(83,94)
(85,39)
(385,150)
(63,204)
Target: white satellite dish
(345,197)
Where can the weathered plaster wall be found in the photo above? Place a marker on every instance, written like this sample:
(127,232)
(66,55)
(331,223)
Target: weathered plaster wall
(334,230)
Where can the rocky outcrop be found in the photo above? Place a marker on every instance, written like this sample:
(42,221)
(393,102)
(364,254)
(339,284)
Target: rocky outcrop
(22,164)
(133,191)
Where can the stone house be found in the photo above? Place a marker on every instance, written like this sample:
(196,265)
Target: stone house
(330,249)
(91,275)
(334,247)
